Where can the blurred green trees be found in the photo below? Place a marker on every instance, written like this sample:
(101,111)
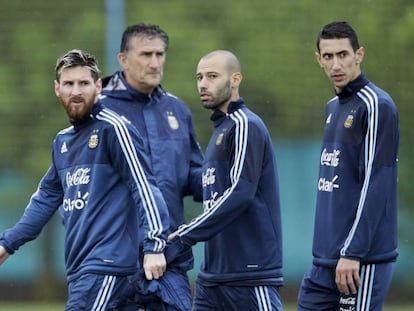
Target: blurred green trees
(275,41)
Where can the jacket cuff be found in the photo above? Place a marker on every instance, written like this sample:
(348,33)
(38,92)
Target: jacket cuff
(174,249)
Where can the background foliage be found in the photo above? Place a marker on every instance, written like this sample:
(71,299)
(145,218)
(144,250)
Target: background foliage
(274,39)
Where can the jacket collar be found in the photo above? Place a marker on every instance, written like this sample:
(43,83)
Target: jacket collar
(117,86)
(353,87)
(219,116)
(96,108)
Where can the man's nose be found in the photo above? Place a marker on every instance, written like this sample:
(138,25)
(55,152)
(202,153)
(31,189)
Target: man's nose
(76,90)
(336,63)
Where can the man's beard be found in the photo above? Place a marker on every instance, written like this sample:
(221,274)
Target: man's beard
(79,113)
(222,97)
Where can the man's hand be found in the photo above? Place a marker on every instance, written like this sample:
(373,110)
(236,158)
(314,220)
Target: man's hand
(3,254)
(172,235)
(154,266)
(347,276)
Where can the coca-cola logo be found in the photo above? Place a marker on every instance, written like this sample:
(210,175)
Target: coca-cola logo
(78,177)
(330,158)
(347,303)
(209,177)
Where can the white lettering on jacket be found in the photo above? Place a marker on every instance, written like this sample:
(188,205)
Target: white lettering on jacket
(209,178)
(75,204)
(330,158)
(207,204)
(327,185)
(79,177)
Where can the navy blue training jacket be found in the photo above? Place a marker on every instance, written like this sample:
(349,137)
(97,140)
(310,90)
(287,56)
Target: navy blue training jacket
(99,181)
(356,209)
(170,141)
(241,223)
(166,126)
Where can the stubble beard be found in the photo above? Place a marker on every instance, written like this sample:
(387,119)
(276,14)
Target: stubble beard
(220,100)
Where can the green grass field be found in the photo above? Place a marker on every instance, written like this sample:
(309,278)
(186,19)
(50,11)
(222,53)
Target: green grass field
(58,307)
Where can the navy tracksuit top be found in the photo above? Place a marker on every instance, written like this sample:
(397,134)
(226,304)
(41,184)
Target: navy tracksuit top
(241,223)
(100,182)
(356,209)
(166,127)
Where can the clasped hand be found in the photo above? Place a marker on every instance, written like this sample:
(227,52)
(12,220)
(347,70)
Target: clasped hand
(154,266)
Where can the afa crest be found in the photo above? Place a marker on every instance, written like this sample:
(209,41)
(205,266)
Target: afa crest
(349,119)
(219,139)
(172,121)
(93,141)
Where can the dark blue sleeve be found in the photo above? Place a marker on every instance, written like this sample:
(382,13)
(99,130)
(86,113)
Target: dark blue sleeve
(196,165)
(246,159)
(378,196)
(130,160)
(43,204)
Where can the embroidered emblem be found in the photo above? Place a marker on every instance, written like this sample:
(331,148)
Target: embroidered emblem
(219,139)
(349,119)
(348,122)
(93,141)
(172,121)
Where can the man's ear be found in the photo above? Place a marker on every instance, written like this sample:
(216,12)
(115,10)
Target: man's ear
(122,60)
(318,59)
(236,79)
(360,55)
(98,85)
(57,88)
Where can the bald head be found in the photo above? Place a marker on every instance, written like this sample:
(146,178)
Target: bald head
(228,58)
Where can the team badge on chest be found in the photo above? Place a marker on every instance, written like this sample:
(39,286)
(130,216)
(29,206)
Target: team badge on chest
(349,119)
(219,139)
(172,120)
(93,140)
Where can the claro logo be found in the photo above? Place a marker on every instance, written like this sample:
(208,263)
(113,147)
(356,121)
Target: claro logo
(77,203)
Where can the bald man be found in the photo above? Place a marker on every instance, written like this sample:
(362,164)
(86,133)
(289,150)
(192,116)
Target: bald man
(241,223)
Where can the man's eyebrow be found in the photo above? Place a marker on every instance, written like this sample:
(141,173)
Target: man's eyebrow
(207,73)
(335,53)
